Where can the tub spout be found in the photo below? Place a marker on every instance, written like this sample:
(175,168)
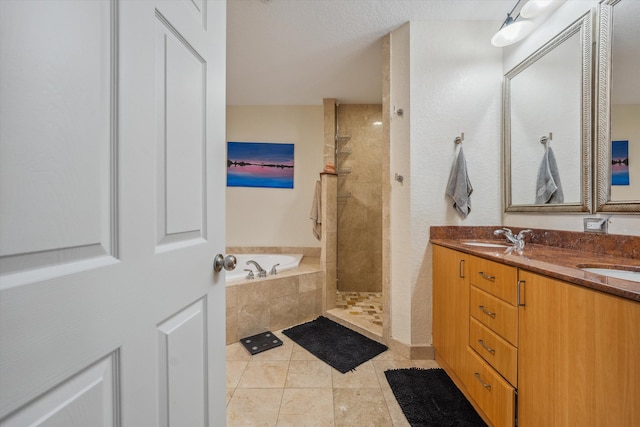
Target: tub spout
(261,271)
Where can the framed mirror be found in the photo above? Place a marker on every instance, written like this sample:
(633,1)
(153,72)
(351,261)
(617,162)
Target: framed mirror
(547,125)
(618,126)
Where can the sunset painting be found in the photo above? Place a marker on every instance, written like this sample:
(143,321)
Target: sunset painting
(620,163)
(259,164)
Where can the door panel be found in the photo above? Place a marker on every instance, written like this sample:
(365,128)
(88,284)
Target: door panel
(96,326)
(56,166)
(182,353)
(85,399)
(181,90)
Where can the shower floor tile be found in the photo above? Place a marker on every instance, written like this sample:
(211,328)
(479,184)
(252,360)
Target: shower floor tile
(363,305)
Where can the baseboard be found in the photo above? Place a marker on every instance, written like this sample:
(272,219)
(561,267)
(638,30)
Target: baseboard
(413,352)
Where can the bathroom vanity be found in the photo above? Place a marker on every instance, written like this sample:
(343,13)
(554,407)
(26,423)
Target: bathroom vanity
(532,336)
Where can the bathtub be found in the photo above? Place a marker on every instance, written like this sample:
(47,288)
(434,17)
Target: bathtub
(266,261)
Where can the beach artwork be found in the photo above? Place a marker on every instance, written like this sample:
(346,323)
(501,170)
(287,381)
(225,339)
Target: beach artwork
(259,164)
(620,163)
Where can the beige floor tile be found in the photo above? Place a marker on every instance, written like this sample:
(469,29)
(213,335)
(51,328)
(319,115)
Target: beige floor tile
(306,407)
(397,416)
(264,374)
(235,369)
(365,406)
(282,352)
(308,373)
(236,351)
(299,353)
(254,407)
(363,376)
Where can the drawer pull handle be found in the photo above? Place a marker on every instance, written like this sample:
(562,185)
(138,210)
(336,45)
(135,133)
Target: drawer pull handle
(487,312)
(489,349)
(485,385)
(486,276)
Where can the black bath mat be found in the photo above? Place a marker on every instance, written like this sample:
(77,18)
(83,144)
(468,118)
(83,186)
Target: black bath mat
(428,397)
(261,342)
(334,344)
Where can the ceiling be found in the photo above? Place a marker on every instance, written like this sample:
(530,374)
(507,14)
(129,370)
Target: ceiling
(297,52)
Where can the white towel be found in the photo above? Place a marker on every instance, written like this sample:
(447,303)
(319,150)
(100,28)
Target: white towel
(316,211)
(459,187)
(548,187)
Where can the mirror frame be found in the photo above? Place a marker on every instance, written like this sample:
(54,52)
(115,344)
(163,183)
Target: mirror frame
(603,144)
(584,27)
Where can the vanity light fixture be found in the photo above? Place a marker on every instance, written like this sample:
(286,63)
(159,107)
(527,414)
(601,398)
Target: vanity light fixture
(534,8)
(512,29)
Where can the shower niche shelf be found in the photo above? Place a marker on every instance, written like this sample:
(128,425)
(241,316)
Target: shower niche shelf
(344,152)
(344,171)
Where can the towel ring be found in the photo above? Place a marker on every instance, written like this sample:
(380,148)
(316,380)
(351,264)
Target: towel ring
(459,139)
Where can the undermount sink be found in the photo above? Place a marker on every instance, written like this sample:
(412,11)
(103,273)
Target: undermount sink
(634,276)
(485,244)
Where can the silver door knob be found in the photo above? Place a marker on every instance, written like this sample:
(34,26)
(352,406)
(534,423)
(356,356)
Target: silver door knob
(228,263)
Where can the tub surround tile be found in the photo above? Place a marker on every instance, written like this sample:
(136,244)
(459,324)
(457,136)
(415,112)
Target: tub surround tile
(253,319)
(283,311)
(285,286)
(310,282)
(277,302)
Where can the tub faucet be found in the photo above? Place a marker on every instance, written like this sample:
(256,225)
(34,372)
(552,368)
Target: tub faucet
(518,240)
(273,269)
(261,271)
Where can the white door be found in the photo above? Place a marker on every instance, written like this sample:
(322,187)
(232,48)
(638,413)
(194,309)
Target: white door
(111,212)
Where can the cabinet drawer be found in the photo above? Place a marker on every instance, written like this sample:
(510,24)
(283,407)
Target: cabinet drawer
(491,392)
(497,315)
(496,351)
(498,279)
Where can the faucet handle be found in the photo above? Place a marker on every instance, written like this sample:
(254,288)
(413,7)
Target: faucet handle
(250,275)
(523,232)
(273,269)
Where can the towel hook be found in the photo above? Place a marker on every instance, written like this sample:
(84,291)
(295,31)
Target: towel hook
(545,139)
(459,139)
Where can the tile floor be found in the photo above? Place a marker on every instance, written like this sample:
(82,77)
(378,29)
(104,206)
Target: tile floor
(288,386)
(366,305)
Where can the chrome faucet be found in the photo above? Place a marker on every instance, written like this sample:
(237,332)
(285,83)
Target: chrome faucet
(273,269)
(517,241)
(261,271)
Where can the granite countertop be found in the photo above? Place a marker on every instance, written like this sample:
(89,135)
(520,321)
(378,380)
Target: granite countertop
(554,260)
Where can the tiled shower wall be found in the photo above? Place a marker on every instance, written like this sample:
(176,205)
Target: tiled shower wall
(360,216)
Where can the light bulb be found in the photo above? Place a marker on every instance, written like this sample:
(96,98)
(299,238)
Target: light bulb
(534,8)
(512,33)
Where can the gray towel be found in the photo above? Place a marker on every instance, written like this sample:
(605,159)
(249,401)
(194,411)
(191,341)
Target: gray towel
(459,187)
(316,211)
(548,187)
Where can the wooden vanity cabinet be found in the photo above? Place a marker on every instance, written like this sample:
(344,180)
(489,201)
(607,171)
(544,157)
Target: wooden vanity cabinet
(579,356)
(450,306)
(572,353)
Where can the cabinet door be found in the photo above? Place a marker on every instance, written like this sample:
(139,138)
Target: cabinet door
(577,356)
(450,306)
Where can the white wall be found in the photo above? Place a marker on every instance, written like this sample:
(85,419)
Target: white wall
(274,216)
(455,79)
(568,13)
